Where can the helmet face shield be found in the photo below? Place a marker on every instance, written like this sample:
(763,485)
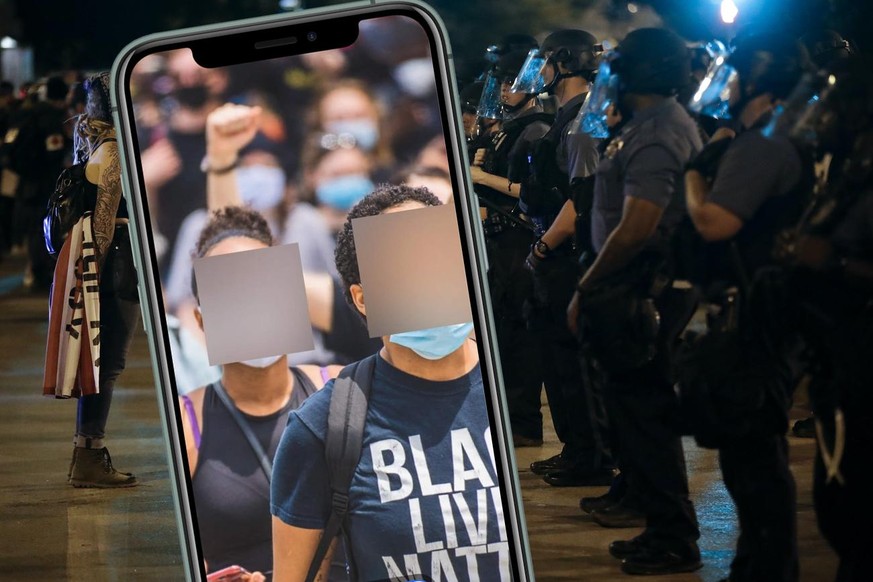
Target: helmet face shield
(490,105)
(713,96)
(530,78)
(593,115)
(799,115)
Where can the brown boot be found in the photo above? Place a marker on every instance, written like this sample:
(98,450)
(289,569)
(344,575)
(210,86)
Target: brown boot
(93,468)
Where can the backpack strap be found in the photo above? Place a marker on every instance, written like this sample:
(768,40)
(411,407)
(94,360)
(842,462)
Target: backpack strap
(343,445)
(260,453)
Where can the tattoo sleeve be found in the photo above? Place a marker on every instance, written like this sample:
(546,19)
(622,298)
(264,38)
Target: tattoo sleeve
(108,198)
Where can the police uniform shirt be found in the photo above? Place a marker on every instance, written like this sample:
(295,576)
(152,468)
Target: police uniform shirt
(646,161)
(577,154)
(754,168)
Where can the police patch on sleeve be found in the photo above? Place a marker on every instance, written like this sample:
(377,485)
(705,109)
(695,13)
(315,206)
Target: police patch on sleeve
(54,142)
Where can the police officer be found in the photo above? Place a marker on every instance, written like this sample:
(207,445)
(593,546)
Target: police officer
(638,202)
(831,283)
(37,149)
(7,192)
(827,49)
(757,187)
(561,169)
(470,95)
(497,173)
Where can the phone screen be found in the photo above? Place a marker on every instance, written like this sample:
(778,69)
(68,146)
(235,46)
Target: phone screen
(300,208)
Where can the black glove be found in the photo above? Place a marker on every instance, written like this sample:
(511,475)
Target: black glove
(534,263)
(707,161)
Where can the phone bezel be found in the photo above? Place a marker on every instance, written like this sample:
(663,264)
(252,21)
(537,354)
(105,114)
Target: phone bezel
(469,223)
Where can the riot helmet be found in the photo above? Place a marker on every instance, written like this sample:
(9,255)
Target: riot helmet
(653,61)
(758,65)
(840,111)
(826,47)
(505,72)
(576,50)
(648,61)
(510,43)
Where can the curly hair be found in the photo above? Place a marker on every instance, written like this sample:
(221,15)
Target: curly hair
(95,124)
(385,196)
(226,223)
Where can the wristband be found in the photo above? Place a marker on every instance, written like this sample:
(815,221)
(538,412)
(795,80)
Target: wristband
(206,168)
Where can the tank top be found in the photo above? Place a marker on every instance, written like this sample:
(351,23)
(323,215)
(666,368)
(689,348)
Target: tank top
(91,192)
(231,492)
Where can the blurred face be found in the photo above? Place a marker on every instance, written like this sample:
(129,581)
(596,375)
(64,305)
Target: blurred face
(339,181)
(469,124)
(434,156)
(439,187)
(356,289)
(549,69)
(511,99)
(408,205)
(235,244)
(339,163)
(345,104)
(194,85)
(735,93)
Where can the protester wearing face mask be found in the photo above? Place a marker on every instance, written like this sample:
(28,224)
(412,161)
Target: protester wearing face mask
(174,183)
(232,129)
(348,115)
(231,499)
(427,396)
(335,179)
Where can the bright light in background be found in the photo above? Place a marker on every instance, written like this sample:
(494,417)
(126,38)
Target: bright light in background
(729,11)
(7,42)
(632,8)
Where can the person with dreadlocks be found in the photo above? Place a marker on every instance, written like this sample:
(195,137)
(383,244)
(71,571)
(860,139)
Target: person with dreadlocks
(91,325)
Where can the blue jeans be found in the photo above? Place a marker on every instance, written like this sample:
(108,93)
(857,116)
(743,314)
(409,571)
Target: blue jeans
(119,316)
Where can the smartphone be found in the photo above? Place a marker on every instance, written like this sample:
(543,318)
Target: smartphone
(229,574)
(299,201)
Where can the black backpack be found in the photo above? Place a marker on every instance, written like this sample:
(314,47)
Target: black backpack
(65,207)
(349,402)
(67,204)
(547,187)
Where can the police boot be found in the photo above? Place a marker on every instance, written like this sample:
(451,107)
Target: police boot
(93,468)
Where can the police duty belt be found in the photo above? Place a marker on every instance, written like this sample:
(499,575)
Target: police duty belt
(508,215)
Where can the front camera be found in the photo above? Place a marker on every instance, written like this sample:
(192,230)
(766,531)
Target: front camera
(311,36)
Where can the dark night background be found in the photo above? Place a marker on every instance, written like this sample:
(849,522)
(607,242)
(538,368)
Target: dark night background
(87,34)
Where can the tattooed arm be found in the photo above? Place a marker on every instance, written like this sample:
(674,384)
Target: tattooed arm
(104,169)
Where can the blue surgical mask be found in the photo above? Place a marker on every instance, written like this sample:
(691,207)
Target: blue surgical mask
(434,343)
(365,131)
(415,77)
(344,192)
(261,187)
